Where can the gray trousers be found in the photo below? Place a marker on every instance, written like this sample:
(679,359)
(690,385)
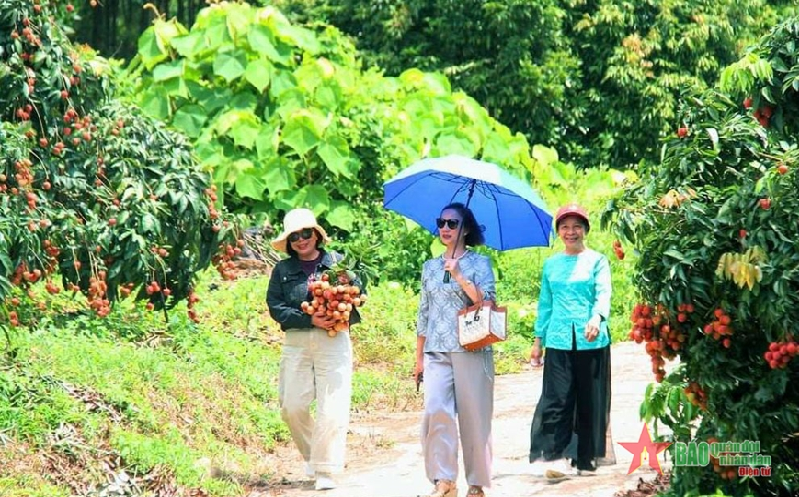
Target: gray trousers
(458,385)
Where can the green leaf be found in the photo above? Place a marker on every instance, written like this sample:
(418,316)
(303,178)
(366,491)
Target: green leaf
(714,137)
(545,155)
(279,176)
(230,65)
(495,149)
(312,197)
(233,118)
(290,101)
(301,37)
(190,119)
(189,45)
(149,50)
(150,224)
(217,35)
(155,103)
(335,152)
(303,130)
(282,80)
(455,143)
(211,99)
(678,255)
(176,87)
(250,186)
(238,19)
(341,215)
(262,41)
(674,400)
(169,70)
(244,133)
(267,142)
(257,74)
(244,100)
(327,96)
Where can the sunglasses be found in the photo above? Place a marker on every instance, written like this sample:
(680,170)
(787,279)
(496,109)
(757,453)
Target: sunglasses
(306,234)
(451,223)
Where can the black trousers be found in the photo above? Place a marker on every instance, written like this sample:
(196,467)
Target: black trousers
(572,418)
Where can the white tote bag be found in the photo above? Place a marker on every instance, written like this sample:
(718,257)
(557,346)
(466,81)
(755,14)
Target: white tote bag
(481,325)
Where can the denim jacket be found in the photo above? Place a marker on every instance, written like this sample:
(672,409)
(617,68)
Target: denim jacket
(288,288)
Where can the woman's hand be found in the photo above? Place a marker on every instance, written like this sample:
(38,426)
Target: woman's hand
(419,369)
(536,354)
(451,265)
(322,320)
(592,329)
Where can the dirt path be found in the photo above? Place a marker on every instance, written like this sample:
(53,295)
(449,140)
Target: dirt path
(385,456)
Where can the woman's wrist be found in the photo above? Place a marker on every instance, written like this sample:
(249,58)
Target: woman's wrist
(463,282)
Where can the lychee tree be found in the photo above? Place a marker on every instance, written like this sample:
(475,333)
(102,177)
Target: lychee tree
(95,197)
(715,227)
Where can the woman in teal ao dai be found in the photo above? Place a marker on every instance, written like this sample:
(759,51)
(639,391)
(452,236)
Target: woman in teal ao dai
(570,425)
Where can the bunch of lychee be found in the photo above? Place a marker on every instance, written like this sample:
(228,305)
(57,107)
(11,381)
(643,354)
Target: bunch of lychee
(663,340)
(779,354)
(720,327)
(335,298)
(618,250)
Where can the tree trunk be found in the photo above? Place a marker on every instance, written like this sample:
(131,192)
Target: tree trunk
(112,41)
(96,24)
(181,12)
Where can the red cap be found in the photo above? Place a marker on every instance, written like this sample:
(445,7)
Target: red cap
(572,210)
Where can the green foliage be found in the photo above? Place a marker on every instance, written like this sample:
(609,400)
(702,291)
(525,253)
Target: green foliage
(723,192)
(285,117)
(599,80)
(29,487)
(636,58)
(91,190)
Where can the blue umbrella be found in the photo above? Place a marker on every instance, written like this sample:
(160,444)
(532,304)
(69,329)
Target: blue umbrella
(512,212)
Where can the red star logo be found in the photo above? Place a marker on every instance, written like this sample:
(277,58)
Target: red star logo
(645,448)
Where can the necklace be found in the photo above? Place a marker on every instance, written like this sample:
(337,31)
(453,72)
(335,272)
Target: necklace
(443,256)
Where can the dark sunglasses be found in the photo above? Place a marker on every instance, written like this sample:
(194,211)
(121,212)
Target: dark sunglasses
(451,223)
(306,234)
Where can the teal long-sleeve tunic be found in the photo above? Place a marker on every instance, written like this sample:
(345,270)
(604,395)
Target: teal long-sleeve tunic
(574,288)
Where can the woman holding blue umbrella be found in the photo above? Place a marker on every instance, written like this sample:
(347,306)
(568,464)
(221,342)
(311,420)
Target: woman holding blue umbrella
(450,372)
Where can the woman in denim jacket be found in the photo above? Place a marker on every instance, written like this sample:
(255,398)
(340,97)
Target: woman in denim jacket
(313,365)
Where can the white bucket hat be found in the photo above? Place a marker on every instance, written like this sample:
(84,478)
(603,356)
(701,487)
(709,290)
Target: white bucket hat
(296,220)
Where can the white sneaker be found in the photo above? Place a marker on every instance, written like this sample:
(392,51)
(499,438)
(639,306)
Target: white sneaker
(309,472)
(560,470)
(539,467)
(324,482)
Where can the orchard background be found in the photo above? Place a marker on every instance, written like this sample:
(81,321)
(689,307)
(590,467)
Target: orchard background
(141,145)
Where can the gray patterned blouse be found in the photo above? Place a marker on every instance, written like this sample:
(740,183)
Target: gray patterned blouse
(440,302)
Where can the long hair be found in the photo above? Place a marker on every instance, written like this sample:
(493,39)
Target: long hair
(475,236)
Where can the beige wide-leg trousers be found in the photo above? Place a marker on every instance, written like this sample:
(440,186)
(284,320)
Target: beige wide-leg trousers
(458,396)
(314,365)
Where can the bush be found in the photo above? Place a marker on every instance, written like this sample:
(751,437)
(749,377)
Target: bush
(715,225)
(91,191)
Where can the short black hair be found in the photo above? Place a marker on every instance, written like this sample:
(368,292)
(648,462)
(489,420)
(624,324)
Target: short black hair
(475,236)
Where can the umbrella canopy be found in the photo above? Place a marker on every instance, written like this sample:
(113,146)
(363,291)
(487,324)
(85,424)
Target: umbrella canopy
(513,214)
